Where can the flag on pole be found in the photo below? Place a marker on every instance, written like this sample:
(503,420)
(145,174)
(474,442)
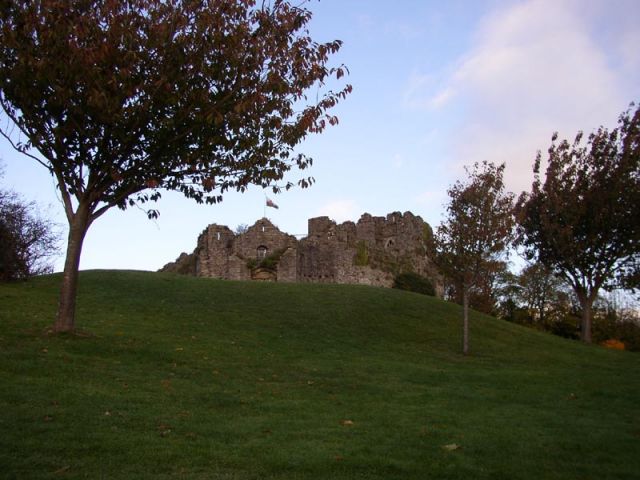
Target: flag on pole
(271,204)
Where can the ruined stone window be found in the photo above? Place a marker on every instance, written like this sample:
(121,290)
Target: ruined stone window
(262,252)
(263,228)
(218,235)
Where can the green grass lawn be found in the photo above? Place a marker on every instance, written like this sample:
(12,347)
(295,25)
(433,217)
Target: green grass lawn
(197,378)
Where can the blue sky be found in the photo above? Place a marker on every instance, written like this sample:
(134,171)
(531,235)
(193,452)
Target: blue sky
(437,85)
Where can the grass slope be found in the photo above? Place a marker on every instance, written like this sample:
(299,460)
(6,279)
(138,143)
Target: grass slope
(204,379)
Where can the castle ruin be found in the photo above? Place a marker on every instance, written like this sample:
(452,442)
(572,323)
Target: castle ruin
(370,251)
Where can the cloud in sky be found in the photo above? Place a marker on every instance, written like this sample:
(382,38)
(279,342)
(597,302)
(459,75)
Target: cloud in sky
(340,210)
(535,67)
(419,92)
(397,161)
(628,48)
(405,30)
(430,197)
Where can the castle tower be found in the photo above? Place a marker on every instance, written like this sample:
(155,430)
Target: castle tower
(214,247)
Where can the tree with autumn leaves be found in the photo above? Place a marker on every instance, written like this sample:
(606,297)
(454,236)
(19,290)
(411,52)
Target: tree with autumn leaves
(581,224)
(118,100)
(478,229)
(582,221)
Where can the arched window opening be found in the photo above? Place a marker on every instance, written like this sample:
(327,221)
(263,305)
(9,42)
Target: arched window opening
(262,252)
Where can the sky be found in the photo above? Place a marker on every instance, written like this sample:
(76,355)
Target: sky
(437,85)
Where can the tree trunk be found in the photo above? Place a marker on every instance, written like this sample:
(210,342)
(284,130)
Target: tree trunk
(65,319)
(465,322)
(586,303)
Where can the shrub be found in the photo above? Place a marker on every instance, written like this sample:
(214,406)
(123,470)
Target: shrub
(613,343)
(270,262)
(566,327)
(413,282)
(362,255)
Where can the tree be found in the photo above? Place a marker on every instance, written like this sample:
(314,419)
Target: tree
(507,293)
(27,240)
(476,233)
(583,222)
(121,99)
(241,229)
(539,289)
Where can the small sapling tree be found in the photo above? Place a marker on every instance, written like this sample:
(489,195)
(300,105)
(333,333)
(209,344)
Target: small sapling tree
(476,232)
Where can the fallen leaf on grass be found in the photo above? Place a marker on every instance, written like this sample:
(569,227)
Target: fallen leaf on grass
(164,430)
(451,447)
(346,423)
(62,470)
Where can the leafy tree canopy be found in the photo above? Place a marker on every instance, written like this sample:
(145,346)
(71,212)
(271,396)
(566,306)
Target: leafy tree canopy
(478,227)
(201,97)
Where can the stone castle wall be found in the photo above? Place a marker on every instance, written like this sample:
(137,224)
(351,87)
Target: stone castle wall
(371,252)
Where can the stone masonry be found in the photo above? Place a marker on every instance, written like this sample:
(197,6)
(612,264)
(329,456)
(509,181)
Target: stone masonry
(371,252)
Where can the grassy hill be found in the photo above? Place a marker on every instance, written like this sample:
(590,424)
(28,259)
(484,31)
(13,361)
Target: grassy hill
(204,379)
